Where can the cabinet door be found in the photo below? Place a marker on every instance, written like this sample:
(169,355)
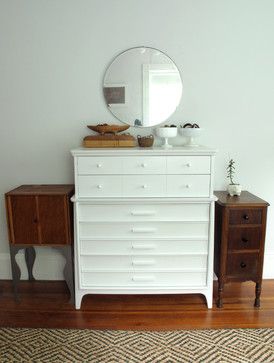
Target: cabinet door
(23,219)
(53,219)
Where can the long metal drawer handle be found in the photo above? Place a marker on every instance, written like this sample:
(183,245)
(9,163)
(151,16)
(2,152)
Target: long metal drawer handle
(143,278)
(143,262)
(143,230)
(143,213)
(143,247)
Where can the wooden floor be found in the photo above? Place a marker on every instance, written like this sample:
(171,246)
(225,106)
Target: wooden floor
(45,305)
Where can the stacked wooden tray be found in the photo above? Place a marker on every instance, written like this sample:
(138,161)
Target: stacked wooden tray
(109,140)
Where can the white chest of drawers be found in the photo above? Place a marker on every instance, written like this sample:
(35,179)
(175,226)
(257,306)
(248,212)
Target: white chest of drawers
(143,221)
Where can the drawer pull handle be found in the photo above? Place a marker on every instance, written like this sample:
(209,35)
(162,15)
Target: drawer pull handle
(99,165)
(144,165)
(143,213)
(143,278)
(143,247)
(246,217)
(143,230)
(144,186)
(243,265)
(143,262)
(188,165)
(245,240)
(99,186)
(188,186)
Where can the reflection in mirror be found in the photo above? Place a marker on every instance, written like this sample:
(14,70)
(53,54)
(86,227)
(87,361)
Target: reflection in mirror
(142,87)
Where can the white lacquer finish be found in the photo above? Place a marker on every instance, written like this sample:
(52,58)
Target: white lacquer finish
(144,221)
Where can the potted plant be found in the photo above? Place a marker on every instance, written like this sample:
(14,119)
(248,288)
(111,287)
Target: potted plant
(233,188)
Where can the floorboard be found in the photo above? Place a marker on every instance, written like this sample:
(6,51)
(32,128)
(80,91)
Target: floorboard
(44,304)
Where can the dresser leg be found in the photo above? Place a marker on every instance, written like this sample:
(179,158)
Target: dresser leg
(220,294)
(30,256)
(16,272)
(68,269)
(258,290)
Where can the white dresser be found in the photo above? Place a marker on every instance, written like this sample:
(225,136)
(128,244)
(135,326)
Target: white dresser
(144,221)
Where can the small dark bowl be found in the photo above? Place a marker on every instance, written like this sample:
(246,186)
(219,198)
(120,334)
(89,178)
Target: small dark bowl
(145,141)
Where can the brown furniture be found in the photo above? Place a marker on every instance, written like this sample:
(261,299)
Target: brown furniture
(40,215)
(240,224)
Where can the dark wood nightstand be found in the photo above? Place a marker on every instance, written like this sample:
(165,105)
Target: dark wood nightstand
(240,224)
(40,215)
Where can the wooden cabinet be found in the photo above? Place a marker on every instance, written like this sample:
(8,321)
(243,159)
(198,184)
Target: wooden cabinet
(144,221)
(40,215)
(240,224)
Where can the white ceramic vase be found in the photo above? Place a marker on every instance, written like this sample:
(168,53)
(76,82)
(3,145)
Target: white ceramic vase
(234,189)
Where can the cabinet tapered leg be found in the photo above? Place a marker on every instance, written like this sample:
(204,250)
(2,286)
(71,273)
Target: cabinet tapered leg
(258,290)
(16,272)
(30,256)
(220,294)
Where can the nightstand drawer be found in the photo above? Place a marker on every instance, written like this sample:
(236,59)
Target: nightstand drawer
(242,266)
(245,216)
(244,238)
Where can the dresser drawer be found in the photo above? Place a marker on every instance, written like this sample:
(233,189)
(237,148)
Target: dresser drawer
(242,265)
(188,185)
(138,279)
(144,165)
(245,216)
(100,186)
(143,212)
(143,230)
(143,262)
(144,247)
(244,238)
(99,165)
(188,165)
(144,185)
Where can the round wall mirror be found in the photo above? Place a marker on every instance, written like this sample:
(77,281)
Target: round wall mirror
(142,87)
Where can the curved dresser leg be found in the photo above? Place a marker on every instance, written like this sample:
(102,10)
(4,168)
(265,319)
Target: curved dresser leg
(30,256)
(68,269)
(15,270)
(78,300)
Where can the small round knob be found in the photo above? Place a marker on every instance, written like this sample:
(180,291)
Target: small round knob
(188,165)
(99,186)
(243,265)
(35,220)
(143,165)
(245,240)
(246,217)
(99,165)
(144,186)
(188,186)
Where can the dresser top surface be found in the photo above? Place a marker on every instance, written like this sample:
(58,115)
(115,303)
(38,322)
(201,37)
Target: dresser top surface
(43,189)
(135,151)
(245,199)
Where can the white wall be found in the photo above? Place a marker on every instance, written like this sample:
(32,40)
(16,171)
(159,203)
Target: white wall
(53,55)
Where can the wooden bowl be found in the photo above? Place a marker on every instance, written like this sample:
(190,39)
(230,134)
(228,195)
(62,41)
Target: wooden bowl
(145,141)
(108,129)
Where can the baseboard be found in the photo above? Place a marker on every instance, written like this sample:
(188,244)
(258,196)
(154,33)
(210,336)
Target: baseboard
(49,265)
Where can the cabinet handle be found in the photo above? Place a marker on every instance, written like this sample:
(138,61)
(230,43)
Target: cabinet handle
(99,165)
(143,230)
(243,265)
(246,217)
(143,262)
(143,247)
(143,213)
(144,186)
(99,186)
(143,278)
(144,165)
(35,220)
(188,165)
(188,186)
(245,240)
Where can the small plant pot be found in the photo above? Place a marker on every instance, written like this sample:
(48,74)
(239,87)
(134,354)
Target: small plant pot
(234,189)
